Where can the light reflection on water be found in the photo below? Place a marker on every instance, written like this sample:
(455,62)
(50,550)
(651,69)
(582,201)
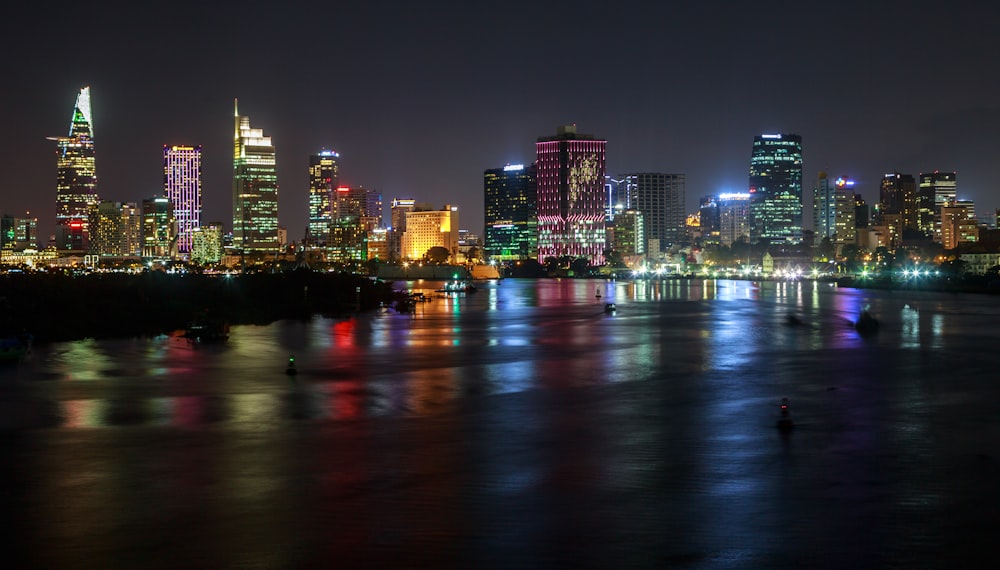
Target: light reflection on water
(516,336)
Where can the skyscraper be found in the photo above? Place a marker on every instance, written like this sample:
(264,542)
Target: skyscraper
(511,215)
(571,195)
(116,229)
(159,229)
(734,218)
(845,227)
(776,189)
(324,174)
(661,199)
(824,208)
(397,212)
(896,210)
(182,186)
(255,189)
(936,189)
(76,177)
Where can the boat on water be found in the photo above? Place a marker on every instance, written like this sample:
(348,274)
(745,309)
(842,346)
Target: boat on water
(610,308)
(207,332)
(457,286)
(866,323)
(14,348)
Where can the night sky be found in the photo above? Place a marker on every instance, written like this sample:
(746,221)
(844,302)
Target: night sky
(420,97)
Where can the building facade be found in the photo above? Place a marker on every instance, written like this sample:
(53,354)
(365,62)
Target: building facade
(776,189)
(824,210)
(255,189)
(324,177)
(734,218)
(510,203)
(159,229)
(661,199)
(571,196)
(397,216)
(182,186)
(206,244)
(430,228)
(116,229)
(936,190)
(76,177)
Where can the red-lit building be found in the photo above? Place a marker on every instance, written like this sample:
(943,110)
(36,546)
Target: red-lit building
(571,196)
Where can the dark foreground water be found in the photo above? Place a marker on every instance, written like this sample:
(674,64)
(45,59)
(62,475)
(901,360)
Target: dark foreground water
(522,427)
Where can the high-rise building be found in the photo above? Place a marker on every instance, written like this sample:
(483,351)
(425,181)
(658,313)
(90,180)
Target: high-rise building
(629,233)
(824,210)
(159,229)
(896,210)
(397,213)
(511,215)
(182,186)
(116,229)
(936,189)
(76,177)
(845,228)
(255,189)
(571,195)
(324,177)
(661,198)
(776,189)
(619,198)
(958,223)
(734,218)
(430,228)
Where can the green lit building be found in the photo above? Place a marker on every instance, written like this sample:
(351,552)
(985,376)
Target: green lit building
(511,213)
(255,189)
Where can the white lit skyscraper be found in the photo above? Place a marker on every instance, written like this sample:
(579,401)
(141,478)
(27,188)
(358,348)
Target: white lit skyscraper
(255,189)
(182,186)
(76,177)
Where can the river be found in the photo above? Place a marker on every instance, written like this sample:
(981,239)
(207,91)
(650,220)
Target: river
(522,426)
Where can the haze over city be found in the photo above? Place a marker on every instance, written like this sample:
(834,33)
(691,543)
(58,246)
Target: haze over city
(420,99)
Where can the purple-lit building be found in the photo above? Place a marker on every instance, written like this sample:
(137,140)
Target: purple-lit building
(571,196)
(182,186)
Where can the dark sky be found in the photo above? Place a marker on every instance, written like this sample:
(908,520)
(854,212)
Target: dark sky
(421,97)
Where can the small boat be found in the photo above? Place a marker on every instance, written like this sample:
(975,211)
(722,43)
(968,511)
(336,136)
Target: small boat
(610,308)
(457,286)
(785,417)
(866,323)
(290,369)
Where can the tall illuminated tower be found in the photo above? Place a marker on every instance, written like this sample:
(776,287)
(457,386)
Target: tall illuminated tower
(571,195)
(76,178)
(936,190)
(324,170)
(511,214)
(182,186)
(255,188)
(776,189)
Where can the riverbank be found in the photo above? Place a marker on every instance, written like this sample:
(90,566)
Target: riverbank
(58,307)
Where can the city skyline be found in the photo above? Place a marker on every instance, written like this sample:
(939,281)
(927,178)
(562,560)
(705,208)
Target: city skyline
(413,85)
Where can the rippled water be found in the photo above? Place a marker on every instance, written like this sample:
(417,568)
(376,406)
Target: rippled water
(523,426)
